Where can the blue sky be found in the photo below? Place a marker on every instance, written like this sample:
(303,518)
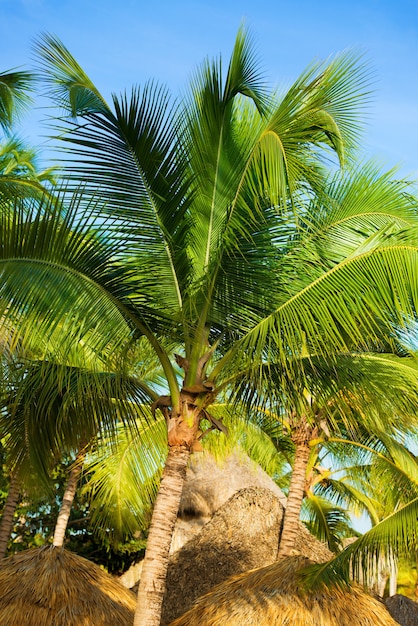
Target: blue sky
(126,42)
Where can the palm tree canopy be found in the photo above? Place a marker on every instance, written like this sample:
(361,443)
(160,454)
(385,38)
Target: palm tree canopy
(203,195)
(397,533)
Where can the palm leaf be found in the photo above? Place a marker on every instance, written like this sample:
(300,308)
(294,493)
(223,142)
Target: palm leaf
(128,154)
(56,280)
(14,97)
(326,522)
(124,477)
(397,533)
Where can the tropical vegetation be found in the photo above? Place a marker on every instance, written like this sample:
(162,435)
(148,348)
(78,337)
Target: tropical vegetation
(219,231)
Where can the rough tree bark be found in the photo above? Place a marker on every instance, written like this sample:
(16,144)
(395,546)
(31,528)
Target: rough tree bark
(183,434)
(301,438)
(68,499)
(6,524)
(152,585)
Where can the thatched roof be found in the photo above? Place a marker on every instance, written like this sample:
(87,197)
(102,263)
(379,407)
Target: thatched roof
(403,610)
(210,484)
(273,595)
(243,534)
(53,587)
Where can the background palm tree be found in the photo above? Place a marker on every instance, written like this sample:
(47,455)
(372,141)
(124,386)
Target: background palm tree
(389,461)
(19,172)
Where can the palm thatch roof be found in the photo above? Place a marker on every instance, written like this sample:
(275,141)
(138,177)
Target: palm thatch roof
(53,587)
(274,595)
(403,610)
(243,534)
(210,483)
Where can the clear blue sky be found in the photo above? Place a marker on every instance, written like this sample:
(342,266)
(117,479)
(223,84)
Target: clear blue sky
(124,43)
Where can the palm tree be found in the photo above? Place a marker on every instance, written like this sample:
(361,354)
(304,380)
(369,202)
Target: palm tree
(19,173)
(354,403)
(393,468)
(195,209)
(52,410)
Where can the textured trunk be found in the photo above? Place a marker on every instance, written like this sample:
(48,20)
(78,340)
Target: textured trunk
(295,497)
(6,524)
(152,585)
(393,576)
(67,501)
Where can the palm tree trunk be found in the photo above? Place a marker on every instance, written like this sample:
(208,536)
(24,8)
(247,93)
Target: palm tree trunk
(296,491)
(152,584)
(6,524)
(393,577)
(68,499)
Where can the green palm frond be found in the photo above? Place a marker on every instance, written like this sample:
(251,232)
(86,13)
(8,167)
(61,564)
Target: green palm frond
(59,280)
(52,409)
(127,153)
(19,173)
(124,477)
(68,83)
(260,435)
(339,310)
(15,86)
(326,521)
(396,534)
(322,108)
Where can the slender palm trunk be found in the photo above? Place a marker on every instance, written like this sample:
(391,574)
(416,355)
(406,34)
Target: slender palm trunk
(6,524)
(393,576)
(296,491)
(68,499)
(152,585)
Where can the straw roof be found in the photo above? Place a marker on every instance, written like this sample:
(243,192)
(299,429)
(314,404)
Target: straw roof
(53,587)
(243,534)
(403,610)
(210,484)
(273,595)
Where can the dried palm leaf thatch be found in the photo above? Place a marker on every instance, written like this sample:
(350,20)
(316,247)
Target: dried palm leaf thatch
(403,609)
(53,587)
(273,595)
(242,535)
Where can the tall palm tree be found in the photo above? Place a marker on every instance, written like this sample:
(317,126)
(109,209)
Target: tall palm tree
(394,468)
(194,207)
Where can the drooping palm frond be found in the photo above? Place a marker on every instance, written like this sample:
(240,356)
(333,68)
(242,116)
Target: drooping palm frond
(323,107)
(342,493)
(51,409)
(124,476)
(354,393)
(327,522)
(139,178)
(57,274)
